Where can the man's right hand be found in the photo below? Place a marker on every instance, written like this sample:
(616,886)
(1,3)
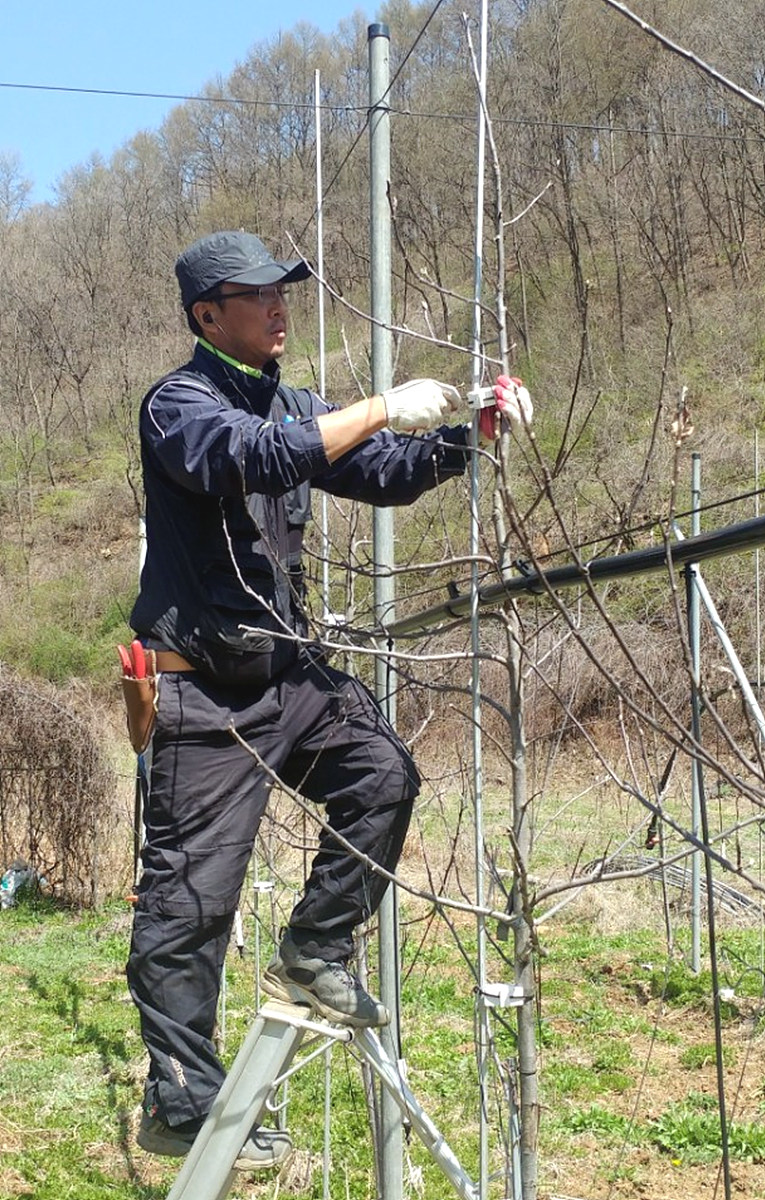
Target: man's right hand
(420,404)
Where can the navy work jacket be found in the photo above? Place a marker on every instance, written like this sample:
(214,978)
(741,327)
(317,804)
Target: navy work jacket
(228,461)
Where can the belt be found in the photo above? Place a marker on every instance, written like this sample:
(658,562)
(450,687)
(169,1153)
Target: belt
(168,660)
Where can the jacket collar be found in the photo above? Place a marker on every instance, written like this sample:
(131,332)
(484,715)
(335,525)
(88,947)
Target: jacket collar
(236,383)
(255,372)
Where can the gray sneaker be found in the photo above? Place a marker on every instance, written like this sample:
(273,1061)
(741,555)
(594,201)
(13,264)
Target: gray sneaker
(328,987)
(264,1147)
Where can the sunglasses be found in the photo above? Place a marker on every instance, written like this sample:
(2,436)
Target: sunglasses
(267,294)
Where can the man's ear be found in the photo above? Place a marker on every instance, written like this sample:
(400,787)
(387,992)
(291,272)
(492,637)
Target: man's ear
(200,310)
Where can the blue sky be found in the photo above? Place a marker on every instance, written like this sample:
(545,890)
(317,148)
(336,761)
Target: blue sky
(146,46)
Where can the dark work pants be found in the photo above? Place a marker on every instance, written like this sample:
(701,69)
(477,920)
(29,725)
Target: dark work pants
(320,732)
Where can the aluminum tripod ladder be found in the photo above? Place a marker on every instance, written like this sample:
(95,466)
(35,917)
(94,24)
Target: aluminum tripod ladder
(263,1063)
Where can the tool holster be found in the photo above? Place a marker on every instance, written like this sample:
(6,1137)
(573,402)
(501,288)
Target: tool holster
(141,704)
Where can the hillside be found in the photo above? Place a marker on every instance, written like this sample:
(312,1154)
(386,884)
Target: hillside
(624,233)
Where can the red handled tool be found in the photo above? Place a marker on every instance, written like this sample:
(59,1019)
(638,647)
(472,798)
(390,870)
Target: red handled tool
(139,659)
(133,661)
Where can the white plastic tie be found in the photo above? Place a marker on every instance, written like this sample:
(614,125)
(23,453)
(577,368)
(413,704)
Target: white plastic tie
(502,995)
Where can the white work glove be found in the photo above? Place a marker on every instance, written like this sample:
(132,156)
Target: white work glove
(420,404)
(513,404)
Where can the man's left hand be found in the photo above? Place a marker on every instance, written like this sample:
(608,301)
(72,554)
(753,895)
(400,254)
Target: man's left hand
(513,404)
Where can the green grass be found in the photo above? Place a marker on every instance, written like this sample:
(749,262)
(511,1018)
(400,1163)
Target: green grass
(75,623)
(73,1063)
(69,1044)
(599,1120)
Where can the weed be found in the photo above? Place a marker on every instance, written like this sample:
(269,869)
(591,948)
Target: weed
(622,1174)
(690,1131)
(680,987)
(598,1120)
(566,1080)
(685,1133)
(612,1055)
(615,1081)
(705,1055)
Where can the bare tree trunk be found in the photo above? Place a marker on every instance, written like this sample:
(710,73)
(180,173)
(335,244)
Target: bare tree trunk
(522,917)
(613,199)
(521,816)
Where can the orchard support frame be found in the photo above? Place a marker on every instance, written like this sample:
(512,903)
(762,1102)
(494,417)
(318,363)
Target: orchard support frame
(730,539)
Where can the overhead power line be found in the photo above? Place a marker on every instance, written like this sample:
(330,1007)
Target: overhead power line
(593,127)
(207,99)
(135,95)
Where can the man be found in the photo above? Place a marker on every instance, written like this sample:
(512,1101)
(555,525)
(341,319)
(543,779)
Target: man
(229,456)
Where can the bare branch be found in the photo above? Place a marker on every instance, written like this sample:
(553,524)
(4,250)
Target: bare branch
(676,48)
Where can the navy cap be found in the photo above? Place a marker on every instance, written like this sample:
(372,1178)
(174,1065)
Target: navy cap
(231,257)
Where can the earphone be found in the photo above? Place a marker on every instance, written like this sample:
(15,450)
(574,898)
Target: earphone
(209,319)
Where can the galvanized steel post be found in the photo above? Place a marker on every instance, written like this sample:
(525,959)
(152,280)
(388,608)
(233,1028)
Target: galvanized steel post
(391,1140)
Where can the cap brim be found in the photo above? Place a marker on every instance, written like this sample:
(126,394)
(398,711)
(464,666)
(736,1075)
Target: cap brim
(273,272)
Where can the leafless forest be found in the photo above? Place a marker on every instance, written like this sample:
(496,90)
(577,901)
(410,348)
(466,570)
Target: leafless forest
(625,217)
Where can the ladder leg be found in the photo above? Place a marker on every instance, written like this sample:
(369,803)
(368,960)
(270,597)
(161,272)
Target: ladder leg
(266,1053)
(207,1172)
(369,1047)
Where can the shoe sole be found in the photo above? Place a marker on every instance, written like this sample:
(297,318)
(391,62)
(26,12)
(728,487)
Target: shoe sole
(250,1164)
(293,993)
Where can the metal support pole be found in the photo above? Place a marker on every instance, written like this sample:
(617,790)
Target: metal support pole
(391,1140)
(700,822)
(324,536)
(739,673)
(482,1016)
(260,887)
(695,651)
(322,338)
